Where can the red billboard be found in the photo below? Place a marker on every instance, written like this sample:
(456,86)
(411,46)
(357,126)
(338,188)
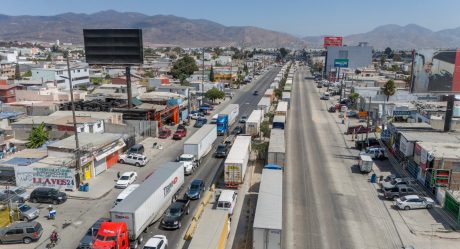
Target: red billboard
(436,71)
(334,41)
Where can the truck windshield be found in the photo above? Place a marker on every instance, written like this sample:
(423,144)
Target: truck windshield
(106,238)
(186,159)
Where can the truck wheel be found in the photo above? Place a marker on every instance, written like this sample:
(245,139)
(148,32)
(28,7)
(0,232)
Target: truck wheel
(429,206)
(137,164)
(406,208)
(122,161)
(27,240)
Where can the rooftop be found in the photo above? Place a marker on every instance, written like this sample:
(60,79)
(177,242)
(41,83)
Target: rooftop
(406,126)
(88,141)
(442,150)
(427,136)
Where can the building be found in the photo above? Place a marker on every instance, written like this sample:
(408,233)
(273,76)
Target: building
(7,69)
(358,56)
(59,75)
(115,91)
(7,93)
(99,152)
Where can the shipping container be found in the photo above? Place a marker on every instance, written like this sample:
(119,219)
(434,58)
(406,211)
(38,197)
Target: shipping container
(200,143)
(253,123)
(268,219)
(282,108)
(147,203)
(276,148)
(237,161)
(264,104)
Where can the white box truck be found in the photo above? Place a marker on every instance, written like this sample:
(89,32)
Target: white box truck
(264,104)
(268,220)
(147,203)
(198,146)
(253,123)
(237,161)
(282,108)
(276,148)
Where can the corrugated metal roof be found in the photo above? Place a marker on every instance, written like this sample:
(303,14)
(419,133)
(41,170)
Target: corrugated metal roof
(201,133)
(269,210)
(137,198)
(277,142)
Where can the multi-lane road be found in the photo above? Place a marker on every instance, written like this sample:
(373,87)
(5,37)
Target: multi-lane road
(327,205)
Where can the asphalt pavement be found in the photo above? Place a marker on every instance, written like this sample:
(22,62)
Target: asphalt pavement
(327,203)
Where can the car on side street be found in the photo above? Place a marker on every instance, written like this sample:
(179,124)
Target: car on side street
(19,191)
(397,192)
(27,213)
(137,160)
(47,195)
(363,144)
(396,182)
(414,202)
(195,190)
(179,134)
(164,133)
(21,232)
(200,122)
(126,179)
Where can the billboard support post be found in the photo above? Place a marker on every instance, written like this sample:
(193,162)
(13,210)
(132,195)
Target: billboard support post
(128,85)
(449,112)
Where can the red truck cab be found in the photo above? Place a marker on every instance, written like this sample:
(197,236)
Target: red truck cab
(112,235)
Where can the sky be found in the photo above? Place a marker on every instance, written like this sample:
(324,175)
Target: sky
(297,17)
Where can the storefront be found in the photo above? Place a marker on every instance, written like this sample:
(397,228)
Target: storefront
(107,156)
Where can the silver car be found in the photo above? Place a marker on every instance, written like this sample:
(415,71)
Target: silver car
(19,191)
(27,213)
(413,202)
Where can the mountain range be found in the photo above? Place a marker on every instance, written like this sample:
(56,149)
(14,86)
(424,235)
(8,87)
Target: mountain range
(178,31)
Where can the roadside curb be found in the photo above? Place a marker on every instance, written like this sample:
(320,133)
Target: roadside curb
(89,198)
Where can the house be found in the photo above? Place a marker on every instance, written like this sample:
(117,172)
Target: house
(7,69)
(59,75)
(115,91)
(7,93)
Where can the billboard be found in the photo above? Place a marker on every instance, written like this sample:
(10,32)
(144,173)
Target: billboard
(332,41)
(342,63)
(113,46)
(436,71)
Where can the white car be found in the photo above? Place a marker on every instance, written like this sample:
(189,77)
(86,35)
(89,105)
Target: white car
(157,242)
(413,202)
(134,159)
(196,115)
(126,179)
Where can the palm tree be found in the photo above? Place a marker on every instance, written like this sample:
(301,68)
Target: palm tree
(389,89)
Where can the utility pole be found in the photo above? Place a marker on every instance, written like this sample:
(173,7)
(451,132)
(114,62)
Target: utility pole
(128,86)
(74,119)
(202,79)
(368,118)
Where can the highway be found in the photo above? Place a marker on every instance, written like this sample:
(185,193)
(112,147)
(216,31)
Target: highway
(210,165)
(327,205)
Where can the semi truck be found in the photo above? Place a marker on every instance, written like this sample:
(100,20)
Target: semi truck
(276,148)
(226,118)
(198,146)
(279,122)
(142,207)
(237,161)
(253,123)
(268,219)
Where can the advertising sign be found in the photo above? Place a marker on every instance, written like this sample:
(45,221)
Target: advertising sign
(55,177)
(341,63)
(417,153)
(436,71)
(335,41)
(423,159)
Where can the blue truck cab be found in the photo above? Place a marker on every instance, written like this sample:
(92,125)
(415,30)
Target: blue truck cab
(222,124)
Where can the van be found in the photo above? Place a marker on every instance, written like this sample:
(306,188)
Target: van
(136,149)
(227,200)
(125,193)
(21,232)
(325,96)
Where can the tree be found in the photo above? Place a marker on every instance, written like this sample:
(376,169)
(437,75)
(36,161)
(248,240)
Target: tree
(382,60)
(214,94)
(283,52)
(183,68)
(28,74)
(17,72)
(246,69)
(38,137)
(388,52)
(389,89)
(211,74)
(353,97)
(265,129)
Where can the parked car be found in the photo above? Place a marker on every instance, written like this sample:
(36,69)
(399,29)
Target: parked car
(243,119)
(229,140)
(238,130)
(390,178)
(179,134)
(332,109)
(19,191)
(396,182)
(196,115)
(196,188)
(363,144)
(255,93)
(221,151)
(136,149)
(134,159)
(47,195)
(126,179)
(399,191)
(413,202)
(18,232)
(164,133)
(358,129)
(175,213)
(325,96)
(87,241)
(5,198)
(156,242)
(27,213)
(376,153)
(200,122)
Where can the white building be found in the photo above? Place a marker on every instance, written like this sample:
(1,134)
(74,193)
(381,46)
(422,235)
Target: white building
(59,75)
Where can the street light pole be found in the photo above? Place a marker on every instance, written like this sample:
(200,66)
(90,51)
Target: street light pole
(74,119)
